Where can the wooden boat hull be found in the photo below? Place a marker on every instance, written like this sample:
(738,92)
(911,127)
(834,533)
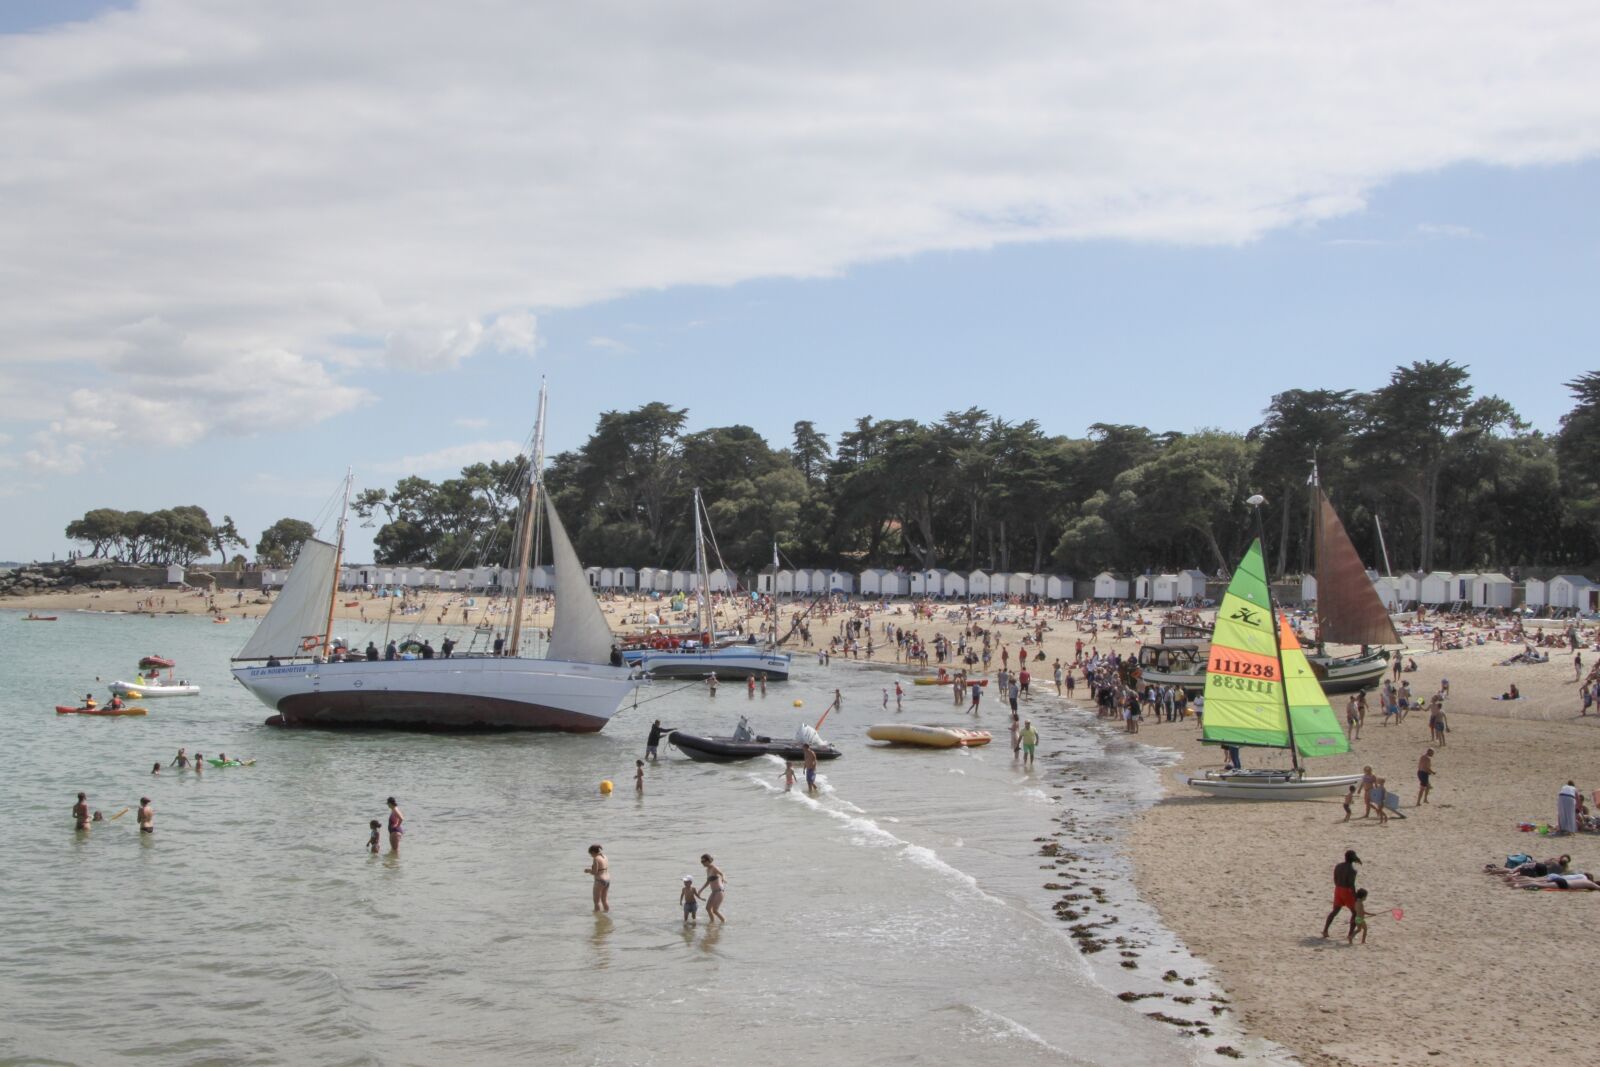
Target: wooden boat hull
(1272,785)
(727,750)
(925,736)
(1334,674)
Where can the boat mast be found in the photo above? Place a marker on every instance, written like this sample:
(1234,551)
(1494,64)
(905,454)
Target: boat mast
(1256,502)
(525,549)
(1377,521)
(772,589)
(1316,545)
(338,558)
(702,579)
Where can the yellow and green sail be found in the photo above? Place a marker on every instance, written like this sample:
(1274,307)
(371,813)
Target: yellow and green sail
(1252,692)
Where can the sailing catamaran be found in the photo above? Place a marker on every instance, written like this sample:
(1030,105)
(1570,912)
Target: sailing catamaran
(1349,612)
(575,688)
(701,655)
(1261,692)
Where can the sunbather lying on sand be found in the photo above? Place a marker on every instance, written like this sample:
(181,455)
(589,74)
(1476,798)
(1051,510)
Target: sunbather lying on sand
(1553,865)
(1556,881)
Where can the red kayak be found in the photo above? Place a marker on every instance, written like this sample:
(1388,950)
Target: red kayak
(31,617)
(126,709)
(156,662)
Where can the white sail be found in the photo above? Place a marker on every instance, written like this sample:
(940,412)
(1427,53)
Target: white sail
(301,611)
(581,633)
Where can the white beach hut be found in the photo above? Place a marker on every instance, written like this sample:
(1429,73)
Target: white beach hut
(541,579)
(1534,595)
(1461,588)
(954,584)
(1164,589)
(681,581)
(1308,588)
(1017,583)
(1143,586)
(786,582)
(978,583)
(821,581)
(872,581)
(627,578)
(841,582)
(1436,588)
(273,577)
(895,583)
(593,574)
(432,579)
(1059,587)
(1039,585)
(647,578)
(1493,591)
(999,582)
(1109,585)
(1191,584)
(1388,590)
(462,579)
(662,582)
(919,582)
(1411,587)
(1573,592)
(722,581)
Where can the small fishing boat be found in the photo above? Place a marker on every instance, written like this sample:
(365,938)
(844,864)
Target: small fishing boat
(744,745)
(154,688)
(126,709)
(155,663)
(927,735)
(31,617)
(943,678)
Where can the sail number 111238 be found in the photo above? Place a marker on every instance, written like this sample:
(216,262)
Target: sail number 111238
(1244,668)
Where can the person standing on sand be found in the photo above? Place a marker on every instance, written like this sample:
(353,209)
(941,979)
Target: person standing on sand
(1424,777)
(1352,717)
(1344,890)
(1368,780)
(600,869)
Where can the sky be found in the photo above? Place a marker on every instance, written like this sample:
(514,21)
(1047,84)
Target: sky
(243,247)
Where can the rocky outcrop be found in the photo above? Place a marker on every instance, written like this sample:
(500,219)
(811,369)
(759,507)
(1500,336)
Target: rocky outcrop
(71,576)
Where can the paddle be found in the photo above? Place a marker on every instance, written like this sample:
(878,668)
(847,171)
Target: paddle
(119,815)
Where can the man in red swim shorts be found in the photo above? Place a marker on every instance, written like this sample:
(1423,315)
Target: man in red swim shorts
(1344,889)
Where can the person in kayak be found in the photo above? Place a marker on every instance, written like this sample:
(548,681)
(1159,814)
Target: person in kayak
(116,703)
(88,700)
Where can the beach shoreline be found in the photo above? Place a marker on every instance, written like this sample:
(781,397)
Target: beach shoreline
(1243,887)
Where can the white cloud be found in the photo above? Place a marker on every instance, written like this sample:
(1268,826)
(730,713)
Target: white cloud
(1446,230)
(451,458)
(216,211)
(610,344)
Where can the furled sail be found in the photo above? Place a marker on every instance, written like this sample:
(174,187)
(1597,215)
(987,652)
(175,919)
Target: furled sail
(300,614)
(1316,727)
(1244,692)
(581,633)
(1348,609)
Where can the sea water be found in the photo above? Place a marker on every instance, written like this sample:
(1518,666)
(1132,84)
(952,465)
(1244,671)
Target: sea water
(895,917)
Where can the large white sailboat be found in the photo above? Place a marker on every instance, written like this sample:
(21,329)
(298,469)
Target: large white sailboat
(576,688)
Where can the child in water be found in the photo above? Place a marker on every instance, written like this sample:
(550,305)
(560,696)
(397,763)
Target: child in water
(1358,920)
(638,776)
(372,838)
(690,900)
(788,776)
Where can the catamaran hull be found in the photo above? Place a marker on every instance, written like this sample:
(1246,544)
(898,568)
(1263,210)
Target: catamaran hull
(725,663)
(1335,676)
(469,693)
(1269,786)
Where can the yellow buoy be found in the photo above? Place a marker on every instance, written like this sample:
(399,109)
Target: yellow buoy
(799,703)
(605,787)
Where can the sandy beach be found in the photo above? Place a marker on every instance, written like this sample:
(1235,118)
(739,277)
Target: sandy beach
(1472,972)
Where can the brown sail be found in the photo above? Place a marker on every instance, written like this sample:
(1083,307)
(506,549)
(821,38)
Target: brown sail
(1348,609)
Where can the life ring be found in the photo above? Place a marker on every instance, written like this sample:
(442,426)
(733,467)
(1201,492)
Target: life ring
(309,643)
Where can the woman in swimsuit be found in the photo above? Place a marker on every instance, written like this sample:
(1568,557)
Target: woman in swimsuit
(396,825)
(600,868)
(715,881)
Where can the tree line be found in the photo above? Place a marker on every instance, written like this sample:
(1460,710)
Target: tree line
(1457,479)
(179,535)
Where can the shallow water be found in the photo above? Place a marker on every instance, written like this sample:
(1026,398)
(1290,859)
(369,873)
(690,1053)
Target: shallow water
(895,918)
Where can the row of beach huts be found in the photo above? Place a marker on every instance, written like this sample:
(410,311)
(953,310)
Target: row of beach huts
(1435,589)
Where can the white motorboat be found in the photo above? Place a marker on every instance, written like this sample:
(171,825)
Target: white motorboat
(154,688)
